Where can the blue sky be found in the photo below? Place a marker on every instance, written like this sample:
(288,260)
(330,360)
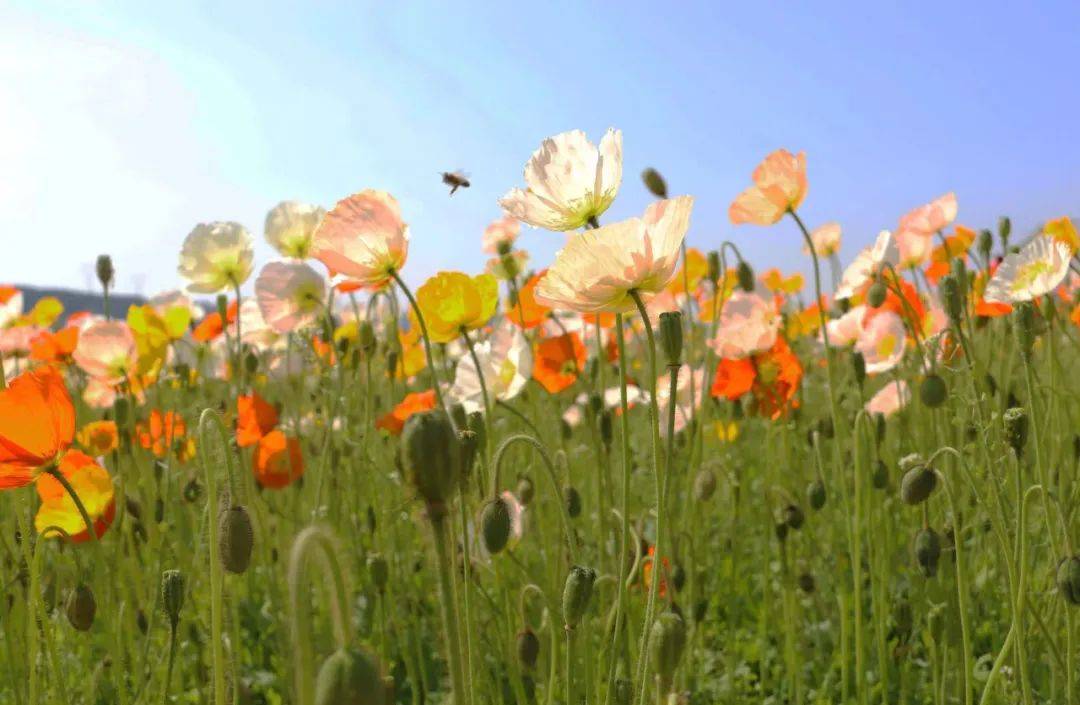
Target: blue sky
(124,124)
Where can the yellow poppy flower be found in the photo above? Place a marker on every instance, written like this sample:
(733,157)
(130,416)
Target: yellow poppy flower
(453,302)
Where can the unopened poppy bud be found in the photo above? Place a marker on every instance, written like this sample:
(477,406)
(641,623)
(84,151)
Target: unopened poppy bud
(746,276)
(81,608)
(525,490)
(933,391)
(793,516)
(880,476)
(391,359)
(576,594)
(379,570)
(365,338)
(950,296)
(1024,322)
(875,296)
(495,525)
(572,500)
(350,676)
(704,485)
(222,305)
(671,337)
(713,259)
(858,364)
(928,551)
(1068,579)
(666,644)
(816,495)
(431,458)
(806,583)
(528,647)
(607,430)
(251,362)
(1016,429)
(1004,230)
(986,243)
(105,271)
(172,595)
(235,538)
(917,485)
(654,182)
(596,403)
(121,411)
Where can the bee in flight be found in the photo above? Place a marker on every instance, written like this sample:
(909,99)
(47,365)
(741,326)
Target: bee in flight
(455,180)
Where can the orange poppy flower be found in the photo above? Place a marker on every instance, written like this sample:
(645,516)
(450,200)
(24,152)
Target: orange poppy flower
(910,307)
(647,569)
(772,376)
(984,308)
(557,361)
(99,437)
(162,432)
(779,186)
(413,403)
(527,312)
(255,418)
(211,326)
(54,347)
(278,460)
(690,274)
(607,320)
(324,351)
(94,487)
(1075,317)
(941,256)
(37,423)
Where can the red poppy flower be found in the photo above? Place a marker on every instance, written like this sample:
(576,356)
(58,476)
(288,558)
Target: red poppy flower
(255,417)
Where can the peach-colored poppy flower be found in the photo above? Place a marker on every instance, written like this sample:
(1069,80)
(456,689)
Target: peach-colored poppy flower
(598,268)
(749,323)
(845,330)
(882,342)
(932,217)
(363,239)
(867,264)
(106,351)
(891,398)
(779,187)
(914,247)
(290,295)
(826,240)
(569,181)
(500,235)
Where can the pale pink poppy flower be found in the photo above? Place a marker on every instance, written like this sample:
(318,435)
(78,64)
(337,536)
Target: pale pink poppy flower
(1035,270)
(290,295)
(517,516)
(749,323)
(664,302)
(290,227)
(826,240)
(500,235)
(562,322)
(11,307)
(508,266)
(935,321)
(913,248)
(867,264)
(216,257)
(99,394)
(573,415)
(79,319)
(882,342)
(506,363)
(891,398)
(932,217)
(253,327)
(569,181)
(779,186)
(363,239)
(16,340)
(598,268)
(106,351)
(686,405)
(845,330)
(163,302)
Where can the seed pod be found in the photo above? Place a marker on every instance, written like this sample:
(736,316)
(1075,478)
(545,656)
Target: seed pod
(172,595)
(654,182)
(704,485)
(495,525)
(875,296)
(793,516)
(713,259)
(1068,579)
(986,243)
(235,538)
(1004,230)
(104,270)
(917,485)
(928,551)
(816,495)
(666,646)
(806,583)
(81,608)
(671,337)
(933,391)
(431,458)
(880,477)
(379,570)
(858,365)
(350,677)
(525,490)
(572,499)
(746,276)
(528,647)
(1016,429)
(576,594)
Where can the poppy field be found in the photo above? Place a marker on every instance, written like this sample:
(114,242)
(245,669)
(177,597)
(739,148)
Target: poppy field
(646,471)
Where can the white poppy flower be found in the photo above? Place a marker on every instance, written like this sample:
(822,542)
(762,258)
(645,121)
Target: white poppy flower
(215,257)
(867,263)
(290,227)
(1035,270)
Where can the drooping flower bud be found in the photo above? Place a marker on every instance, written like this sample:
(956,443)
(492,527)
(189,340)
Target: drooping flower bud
(806,583)
(172,595)
(933,391)
(525,490)
(666,645)
(528,647)
(81,608)
(495,525)
(875,295)
(235,538)
(365,338)
(793,516)
(379,570)
(858,364)
(880,477)
(654,182)
(572,500)
(928,551)
(713,260)
(1068,579)
(105,272)
(917,485)
(816,495)
(671,337)
(576,594)
(1016,429)
(431,458)
(350,676)
(746,276)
